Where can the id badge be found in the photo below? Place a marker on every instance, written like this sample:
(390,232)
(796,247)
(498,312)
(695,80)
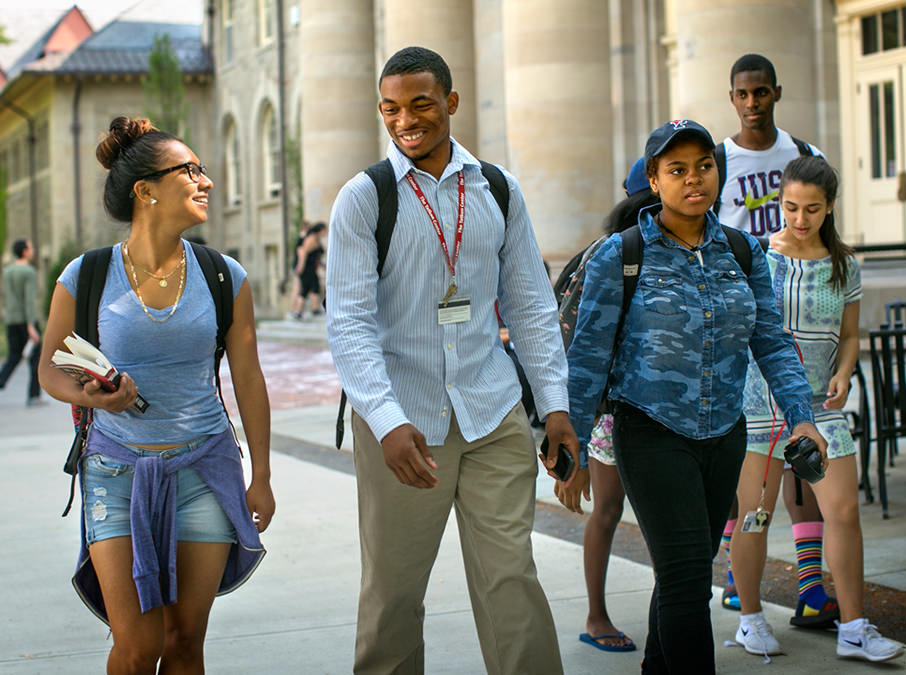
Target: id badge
(457,310)
(755,521)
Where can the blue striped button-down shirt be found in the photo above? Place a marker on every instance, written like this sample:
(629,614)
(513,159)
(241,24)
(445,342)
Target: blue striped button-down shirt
(396,363)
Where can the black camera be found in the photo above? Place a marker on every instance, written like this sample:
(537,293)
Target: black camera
(805,458)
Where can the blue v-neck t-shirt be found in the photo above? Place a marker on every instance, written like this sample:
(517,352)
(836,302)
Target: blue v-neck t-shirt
(172,361)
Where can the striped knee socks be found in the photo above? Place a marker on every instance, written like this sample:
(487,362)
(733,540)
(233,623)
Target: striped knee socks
(808,538)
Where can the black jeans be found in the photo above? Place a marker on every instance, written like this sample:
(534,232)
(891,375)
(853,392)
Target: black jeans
(16,340)
(681,490)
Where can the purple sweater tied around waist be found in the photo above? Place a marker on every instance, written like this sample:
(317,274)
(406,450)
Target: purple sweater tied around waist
(153,500)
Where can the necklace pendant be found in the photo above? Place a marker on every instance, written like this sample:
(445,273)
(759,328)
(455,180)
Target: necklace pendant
(163,283)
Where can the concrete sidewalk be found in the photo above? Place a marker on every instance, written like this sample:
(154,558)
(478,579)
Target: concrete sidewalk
(297,613)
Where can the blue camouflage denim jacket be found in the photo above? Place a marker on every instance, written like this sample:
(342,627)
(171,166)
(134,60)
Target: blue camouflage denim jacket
(684,349)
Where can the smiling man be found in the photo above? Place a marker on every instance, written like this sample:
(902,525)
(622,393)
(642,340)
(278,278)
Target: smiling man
(437,420)
(757,153)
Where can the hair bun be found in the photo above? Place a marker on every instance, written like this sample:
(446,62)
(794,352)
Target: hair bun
(123,132)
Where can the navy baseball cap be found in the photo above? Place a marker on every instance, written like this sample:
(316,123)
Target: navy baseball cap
(664,136)
(637,180)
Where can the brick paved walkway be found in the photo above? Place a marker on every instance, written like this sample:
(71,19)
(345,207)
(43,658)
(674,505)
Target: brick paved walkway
(296,377)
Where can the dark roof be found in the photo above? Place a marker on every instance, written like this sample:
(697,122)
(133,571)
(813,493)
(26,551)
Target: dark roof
(36,51)
(123,47)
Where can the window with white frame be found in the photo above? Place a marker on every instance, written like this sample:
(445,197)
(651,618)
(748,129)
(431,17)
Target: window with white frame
(233,164)
(265,21)
(227,12)
(271,156)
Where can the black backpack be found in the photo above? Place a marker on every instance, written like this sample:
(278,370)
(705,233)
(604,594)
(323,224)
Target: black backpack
(381,174)
(568,299)
(720,158)
(93,278)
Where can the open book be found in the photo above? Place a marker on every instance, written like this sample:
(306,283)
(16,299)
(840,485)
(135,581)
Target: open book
(84,361)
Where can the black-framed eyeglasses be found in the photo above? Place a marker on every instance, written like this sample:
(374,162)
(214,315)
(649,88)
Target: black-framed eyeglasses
(193,170)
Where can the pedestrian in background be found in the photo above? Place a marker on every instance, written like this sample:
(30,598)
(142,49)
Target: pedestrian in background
(20,284)
(437,418)
(309,253)
(606,489)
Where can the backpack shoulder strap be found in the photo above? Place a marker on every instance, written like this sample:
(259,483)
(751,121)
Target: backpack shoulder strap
(632,262)
(740,248)
(720,158)
(802,146)
(381,174)
(220,284)
(92,278)
(89,288)
(499,187)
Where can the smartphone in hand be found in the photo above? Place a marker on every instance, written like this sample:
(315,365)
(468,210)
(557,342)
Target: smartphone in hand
(564,466)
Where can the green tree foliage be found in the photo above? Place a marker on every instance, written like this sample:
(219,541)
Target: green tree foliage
(293,154)
(165,91)
(68,251)
(3,39)
(2,208)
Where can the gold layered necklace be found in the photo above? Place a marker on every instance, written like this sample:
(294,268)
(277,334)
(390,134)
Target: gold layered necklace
(182,280)
(161,280)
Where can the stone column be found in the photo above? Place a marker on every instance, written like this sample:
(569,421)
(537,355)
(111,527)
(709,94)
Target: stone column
(489,77)
(446,27)
(558,120)
(339,98)
(638,77)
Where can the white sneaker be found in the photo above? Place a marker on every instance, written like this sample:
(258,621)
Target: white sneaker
(867,644)
(757,637)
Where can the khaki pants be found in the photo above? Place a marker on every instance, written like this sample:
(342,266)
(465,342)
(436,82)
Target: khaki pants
(491,483)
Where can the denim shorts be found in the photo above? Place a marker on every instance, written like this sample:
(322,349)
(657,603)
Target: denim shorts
(107,492)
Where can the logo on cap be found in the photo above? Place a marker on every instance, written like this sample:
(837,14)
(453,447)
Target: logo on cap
(679,124)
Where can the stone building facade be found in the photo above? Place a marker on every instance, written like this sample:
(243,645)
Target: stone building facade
(562,93)
(56,105)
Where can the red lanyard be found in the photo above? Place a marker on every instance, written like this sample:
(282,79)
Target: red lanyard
(460,220)
(776,437)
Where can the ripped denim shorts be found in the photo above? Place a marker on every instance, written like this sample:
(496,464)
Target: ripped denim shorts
(107,491)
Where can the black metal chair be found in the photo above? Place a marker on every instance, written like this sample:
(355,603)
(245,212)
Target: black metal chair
(888,371)
(895,312)
(860,429)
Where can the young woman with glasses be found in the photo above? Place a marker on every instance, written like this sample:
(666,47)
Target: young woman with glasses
(164,498)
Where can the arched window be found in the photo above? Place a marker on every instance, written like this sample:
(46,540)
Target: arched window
(271,156)
(227,10)
(265,21)
(233,163)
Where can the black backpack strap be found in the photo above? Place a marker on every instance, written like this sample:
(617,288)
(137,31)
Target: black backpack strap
(499,187)
(740,247)
(89,288)
(381,174)
(632,265)
(92,278)
(804,148)
(220,284)
(720,158)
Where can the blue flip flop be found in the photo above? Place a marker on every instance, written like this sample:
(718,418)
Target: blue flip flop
(593,641)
